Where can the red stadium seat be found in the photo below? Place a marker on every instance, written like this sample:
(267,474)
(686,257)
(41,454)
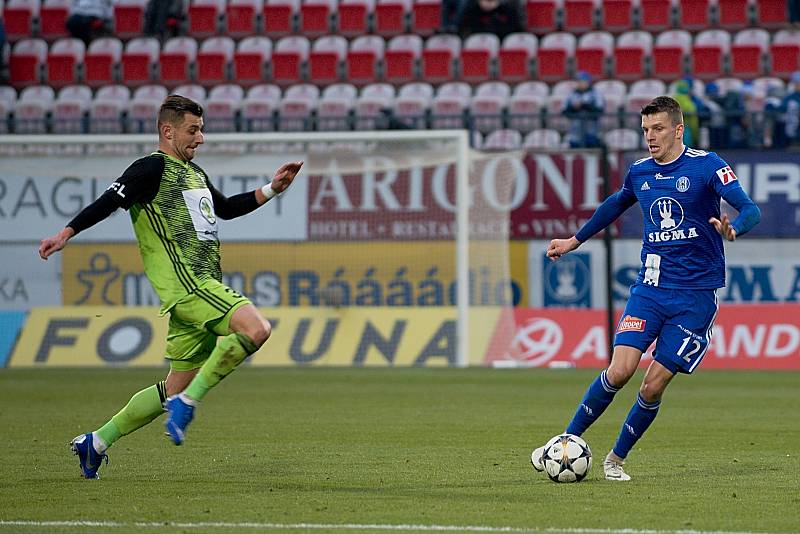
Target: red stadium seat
(297,107)
(354,17)
(138,61)
(579,15)
(213,59)
(222,106)
(370,105)
(771,14)
(280,17)
(400,60)
(203,17)
(65,56)
(326,59)
(670,54)
(411,104)
(250,60)
(748,51)
(656,15)
(241,17)
(192,90)
(438,58)
(733,14)
(101,61)
(711,47)
(70,108)
(176,59)
(631,53)
(503,139)
(27,58)
(515,56)
(785,53)
(365,55)
(617,15)
(542,138)
(289,57)
(391,17)
(542,16)
(335,106)
(259,107)
(594,52)
(694,14)
(555,53)
(478,55)
(426,16)
(316,16)
(53,19)
(488,105)
(107,108)
(143,108)
(18,17)
(525,106)
(129,18)
(32,108)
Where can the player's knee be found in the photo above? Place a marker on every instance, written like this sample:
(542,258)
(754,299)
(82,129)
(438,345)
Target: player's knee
(651,390)
(618,375)
(260,332)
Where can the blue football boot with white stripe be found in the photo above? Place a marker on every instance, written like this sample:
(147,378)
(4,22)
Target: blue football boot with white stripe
(180,415)
(90,459)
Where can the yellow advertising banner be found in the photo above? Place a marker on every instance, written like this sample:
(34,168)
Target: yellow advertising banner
(365,273)
(346,336)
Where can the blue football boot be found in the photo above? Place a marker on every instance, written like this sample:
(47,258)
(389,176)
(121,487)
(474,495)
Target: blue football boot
(180,415)
(90,459)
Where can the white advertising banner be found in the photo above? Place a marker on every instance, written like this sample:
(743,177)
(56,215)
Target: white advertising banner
(26,280)
(39,195)
(758,271)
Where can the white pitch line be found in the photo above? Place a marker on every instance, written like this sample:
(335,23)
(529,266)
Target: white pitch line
(355,526)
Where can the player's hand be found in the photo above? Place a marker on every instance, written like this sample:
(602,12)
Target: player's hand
(50,245)
(559,247)
(724,227)
(284,175)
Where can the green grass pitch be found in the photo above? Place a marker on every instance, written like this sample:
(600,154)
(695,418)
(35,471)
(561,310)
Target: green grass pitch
(362,450)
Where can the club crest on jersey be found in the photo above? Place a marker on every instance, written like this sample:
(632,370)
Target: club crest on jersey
(682,184)
(631,324)
(667,216)
(726,175)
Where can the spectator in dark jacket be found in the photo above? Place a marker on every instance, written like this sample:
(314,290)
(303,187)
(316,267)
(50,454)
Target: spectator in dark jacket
(88,19)
(500,17)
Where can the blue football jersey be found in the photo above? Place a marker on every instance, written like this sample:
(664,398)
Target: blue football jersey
(680,248)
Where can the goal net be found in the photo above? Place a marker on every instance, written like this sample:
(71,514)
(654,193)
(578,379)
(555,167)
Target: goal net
(399,238)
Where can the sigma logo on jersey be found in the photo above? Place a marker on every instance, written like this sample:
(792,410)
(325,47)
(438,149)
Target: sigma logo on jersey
(631,324)
(660,176)
(726,175)
(666,214)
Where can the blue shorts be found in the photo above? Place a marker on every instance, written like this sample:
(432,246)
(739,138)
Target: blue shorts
(681,320)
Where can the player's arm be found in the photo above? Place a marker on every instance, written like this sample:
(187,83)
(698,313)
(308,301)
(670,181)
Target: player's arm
(605,214)
(728,187)
(139,183)
(244,203)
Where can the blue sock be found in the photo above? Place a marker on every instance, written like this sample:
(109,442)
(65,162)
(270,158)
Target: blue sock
(594,403)
(639,418)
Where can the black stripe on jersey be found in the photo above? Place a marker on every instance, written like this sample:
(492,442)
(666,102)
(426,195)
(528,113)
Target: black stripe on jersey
(184,276)
(213,300)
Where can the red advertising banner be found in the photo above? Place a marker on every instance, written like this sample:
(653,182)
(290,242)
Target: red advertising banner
(744,337)
(546,195)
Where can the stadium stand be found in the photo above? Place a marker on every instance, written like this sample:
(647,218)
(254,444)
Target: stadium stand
(102,61)
(242,17)
(515,57)
(28,57)
(364,59)
(53,19)
(250,60)
(63,61)
(71,108)
(129,18)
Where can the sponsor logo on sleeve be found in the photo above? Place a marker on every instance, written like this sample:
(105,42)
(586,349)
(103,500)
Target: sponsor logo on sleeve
(631,324)
(726,175)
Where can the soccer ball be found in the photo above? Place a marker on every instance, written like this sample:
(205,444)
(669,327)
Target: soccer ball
(566,458)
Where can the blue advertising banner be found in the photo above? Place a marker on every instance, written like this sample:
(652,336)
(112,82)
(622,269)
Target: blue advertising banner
(771,178)
(10,325)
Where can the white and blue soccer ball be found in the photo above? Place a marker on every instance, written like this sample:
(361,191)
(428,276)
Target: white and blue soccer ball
(566,458)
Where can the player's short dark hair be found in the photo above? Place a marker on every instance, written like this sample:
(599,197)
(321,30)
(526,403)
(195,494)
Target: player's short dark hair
(174,107)
(665,104)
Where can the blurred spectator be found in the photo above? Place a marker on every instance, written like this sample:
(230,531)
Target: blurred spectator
(717,130)
(163,18)
(88,19)
(794,12)
(4,77)
(583,107)
(774,126)
(450,9)
(733,104)
(500,17)
(691,132)
(791,110)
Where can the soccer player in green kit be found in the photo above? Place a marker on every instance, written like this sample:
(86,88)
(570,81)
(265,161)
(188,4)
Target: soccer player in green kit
(174,210)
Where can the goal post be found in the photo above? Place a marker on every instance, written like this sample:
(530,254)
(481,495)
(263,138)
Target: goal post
(389,209)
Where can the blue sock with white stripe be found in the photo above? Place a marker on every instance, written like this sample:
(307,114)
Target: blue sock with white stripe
(640,417)
(594,403)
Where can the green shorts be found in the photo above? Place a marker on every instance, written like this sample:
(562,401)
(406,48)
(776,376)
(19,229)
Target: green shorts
(197,320)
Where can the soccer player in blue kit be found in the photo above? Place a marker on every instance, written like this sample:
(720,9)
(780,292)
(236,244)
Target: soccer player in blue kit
(673,300)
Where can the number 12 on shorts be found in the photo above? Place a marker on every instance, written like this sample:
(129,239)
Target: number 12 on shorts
(694,349)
